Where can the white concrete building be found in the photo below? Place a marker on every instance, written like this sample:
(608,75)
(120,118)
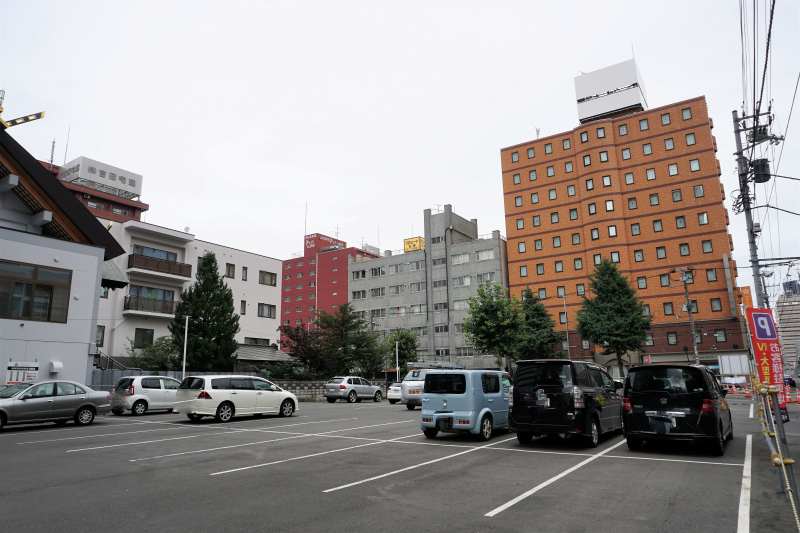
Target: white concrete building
(161,262)
(52,266)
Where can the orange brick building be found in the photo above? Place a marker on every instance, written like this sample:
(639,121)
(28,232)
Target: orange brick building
(640,188)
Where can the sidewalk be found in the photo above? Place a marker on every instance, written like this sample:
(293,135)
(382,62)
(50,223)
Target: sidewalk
(769,508)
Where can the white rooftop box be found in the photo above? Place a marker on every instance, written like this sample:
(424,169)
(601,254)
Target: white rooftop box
(103,177)
(609,91)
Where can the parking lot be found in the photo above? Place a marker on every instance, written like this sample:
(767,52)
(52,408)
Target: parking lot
(360,467)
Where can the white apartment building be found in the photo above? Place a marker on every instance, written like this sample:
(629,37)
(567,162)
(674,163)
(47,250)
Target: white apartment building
(159,263)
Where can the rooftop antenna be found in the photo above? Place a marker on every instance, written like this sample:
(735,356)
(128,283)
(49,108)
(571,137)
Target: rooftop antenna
(305,221)
(379,237)
(337,231)
(52,152)
(537,133)
(66,146)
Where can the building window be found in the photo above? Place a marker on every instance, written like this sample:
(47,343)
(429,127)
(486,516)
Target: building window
(559,266)
(104,292)
(516,179)
(641,282)
(267,278)
(672,169)
(576,238)
(440,306)
(623,129)
(638,255)
(537,220)
(676,195)
(690,139)
(658,226)
(562,317)
(551,194)
(632,204)
(603,156)
(665,120)
(266,310)
(580,289)
(568,166)
(636,229)
(683,248)
(573,214)
(663,280)
(648,340)
(359,274)
(243,307)
(626,154)
(584,137)
(566,144)
(587,160)
(521,247)
(716,304)
(669,144)
(532,175)
(609,205)
(644,125)
(554,217)
(437,240)
(577,263)
(518,201)
(542,293)
(537,244)
(437,284)
(548,148)
(699,192)
(661,252)
(551,171)
(531,153)
(440,328)
(539,269)
(595,233)
(523,271)
(686,113)
(629,178)
(668,310)
(359,295)
(612,230)
(32,292)
(702,218)
(606,181)
(597,259)
(672,338)
(647,149)
(694,165)
(720,335)
(514,157)
(711,274)
(534,197)
(589,184)
(142,338)
(601,133)
(615,257)
(650,174)
(680,222)
(556,242)
(459,259)
(707,247)
(99,335)
(592,208)
(380,292)
(654,199)
(230,270)
(571,190)
(520,223)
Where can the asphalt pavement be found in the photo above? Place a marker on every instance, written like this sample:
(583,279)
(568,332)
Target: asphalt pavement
(364,467)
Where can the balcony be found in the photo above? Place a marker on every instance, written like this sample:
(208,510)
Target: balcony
(162,266)
(148,306)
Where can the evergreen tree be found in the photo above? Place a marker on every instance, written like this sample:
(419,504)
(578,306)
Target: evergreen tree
(537,336)
(212,323)
(494,322)
(614,318)
(346,340)
(305,344)
(406,349)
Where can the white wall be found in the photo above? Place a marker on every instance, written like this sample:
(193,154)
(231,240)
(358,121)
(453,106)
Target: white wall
(70,343)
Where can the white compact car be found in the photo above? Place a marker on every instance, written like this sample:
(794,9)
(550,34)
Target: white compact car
(139,394)
(395,393)
(224,397)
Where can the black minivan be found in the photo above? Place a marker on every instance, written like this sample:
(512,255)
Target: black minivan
(555,396)
(676,402)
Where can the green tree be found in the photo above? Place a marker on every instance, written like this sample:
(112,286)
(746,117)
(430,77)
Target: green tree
(407,349)
(537,335)
(161,355)
(346,340)
(305,345)
(493,322)
(212,320)
(614,317)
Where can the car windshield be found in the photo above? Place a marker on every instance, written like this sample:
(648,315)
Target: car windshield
(192,383)
(557,374)
(415,375)
(7,391)
(445,383)
(336,380)
(666,379)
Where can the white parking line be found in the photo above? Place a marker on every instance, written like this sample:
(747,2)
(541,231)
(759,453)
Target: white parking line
(294,435)
(540,486)
(406,469)
(743,523)
(310,455)
(96,435)
(751,411)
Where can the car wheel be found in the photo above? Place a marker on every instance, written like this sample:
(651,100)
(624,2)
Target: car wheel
(193,417)
(718,445)
(486,428)
(117,412)
(139,408)
(287,408)
(634,443)
(352,397)
(331,400)
(430,432)
(392,402)
(2,422)
(224,412)
(524,438)
(378,396)
(84,416)
(730,433)
(410,406)
(593,435)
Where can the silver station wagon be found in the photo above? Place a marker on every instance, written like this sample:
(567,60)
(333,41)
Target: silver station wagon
(351,388)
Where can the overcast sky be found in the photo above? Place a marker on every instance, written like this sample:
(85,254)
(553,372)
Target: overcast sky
(238,113)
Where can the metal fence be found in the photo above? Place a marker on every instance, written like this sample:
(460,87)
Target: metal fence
(106,379)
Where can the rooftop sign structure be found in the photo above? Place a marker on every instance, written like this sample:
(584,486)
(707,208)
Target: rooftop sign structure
(610,91)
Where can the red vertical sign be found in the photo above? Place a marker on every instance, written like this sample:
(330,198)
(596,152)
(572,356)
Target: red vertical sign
(766,347)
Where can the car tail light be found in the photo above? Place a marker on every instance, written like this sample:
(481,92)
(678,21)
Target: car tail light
(577,397)
(626,405)
(131,390)
(463,421)
(427,419)
(203,396)
(342,386)
(708,407)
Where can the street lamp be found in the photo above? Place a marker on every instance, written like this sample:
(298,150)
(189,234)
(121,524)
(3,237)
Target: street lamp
(185,340)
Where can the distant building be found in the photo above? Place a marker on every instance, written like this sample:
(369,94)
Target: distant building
(787,313)
(638,187)
(426,290)
(317,281)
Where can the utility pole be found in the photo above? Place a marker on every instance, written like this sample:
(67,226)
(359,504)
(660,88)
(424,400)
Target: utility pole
(397,360)
(685,273)
(566,325)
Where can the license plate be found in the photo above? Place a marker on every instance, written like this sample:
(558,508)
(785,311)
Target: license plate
(445,423)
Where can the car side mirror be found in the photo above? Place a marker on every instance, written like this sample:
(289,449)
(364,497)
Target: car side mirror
(25,397)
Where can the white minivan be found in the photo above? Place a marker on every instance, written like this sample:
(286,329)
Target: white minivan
(224,397)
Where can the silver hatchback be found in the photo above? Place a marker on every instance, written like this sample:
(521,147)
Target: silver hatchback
(351,388)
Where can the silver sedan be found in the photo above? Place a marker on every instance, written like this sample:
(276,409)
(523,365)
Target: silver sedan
(51,401)
(351,388)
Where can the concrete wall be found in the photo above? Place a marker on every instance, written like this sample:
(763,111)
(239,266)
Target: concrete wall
(44,342)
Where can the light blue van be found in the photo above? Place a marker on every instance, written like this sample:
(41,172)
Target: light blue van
(468,401)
